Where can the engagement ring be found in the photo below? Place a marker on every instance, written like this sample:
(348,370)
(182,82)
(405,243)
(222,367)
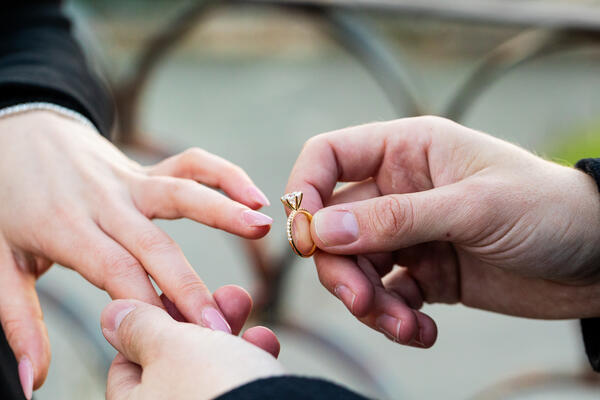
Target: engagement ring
(293,201)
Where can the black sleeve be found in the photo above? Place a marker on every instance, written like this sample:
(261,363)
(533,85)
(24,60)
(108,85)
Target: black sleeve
(290,388)
(41,61)
(590,327)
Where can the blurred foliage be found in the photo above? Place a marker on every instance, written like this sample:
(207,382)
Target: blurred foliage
(580,143)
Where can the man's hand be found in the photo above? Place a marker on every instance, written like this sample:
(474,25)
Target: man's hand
(184,361)
(71,197)
(467,217)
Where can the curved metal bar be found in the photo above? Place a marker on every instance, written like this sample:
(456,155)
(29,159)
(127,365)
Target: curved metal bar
(127,93)
(345,357)
(369,48)
(521,49)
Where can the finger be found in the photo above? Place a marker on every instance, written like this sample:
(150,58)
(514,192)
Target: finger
(22,321)
(105,264)
(264,338)
(356,191)
(352,154)
(214,171)
(123,377)
(391,222)
(165,262)
(171,198)
(172,309)
(404,285)
(391,315)
(137,330)
(236,304)
(427,330)
(300,231)
(345,280)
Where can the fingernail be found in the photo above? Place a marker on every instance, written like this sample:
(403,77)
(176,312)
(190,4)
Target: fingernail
(258,196)
(336,227)
(26,376)
(419,341)
(119,311)
(346,295)
(389,325)
(254,218)
(214,320)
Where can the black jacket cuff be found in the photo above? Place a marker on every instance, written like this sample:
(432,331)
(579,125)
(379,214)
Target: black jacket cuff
(290,388)
(590,327)
(41,62)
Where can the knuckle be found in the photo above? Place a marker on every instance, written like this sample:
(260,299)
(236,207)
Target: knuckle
(153,241)
(391,216)
(15,327)
(191,155)
(190,285)
(12,328)
(314,142)
(430,121)
(234,169)
(120,265)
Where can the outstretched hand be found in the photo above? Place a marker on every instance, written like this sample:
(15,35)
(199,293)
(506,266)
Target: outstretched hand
(466,217)
(71,197)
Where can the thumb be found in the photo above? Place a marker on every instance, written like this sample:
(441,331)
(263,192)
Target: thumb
(137,330)
(22,323)
(391,222)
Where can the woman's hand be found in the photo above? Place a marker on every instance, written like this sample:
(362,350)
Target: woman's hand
(468,217)
(71,197)
(184,361)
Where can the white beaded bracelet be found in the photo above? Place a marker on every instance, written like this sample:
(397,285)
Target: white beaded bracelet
(42,106)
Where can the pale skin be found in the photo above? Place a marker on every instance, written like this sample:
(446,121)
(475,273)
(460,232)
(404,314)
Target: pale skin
(160,358)
(468,217)
(69,196)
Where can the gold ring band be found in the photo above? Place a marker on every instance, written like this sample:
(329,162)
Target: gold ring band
(293,201)
(290,236)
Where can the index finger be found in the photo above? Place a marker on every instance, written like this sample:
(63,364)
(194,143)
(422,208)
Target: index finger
(164,261)
(351,154)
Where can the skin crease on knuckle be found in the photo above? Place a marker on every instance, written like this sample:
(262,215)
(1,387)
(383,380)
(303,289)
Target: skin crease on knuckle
(391,217)
(152,241)
(120,269)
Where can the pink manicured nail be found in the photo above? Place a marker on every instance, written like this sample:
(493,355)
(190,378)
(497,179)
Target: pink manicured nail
(389,325)
(214,320)
(258,196)
(346,295)
(26,376)
(254,218)
(336,227)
